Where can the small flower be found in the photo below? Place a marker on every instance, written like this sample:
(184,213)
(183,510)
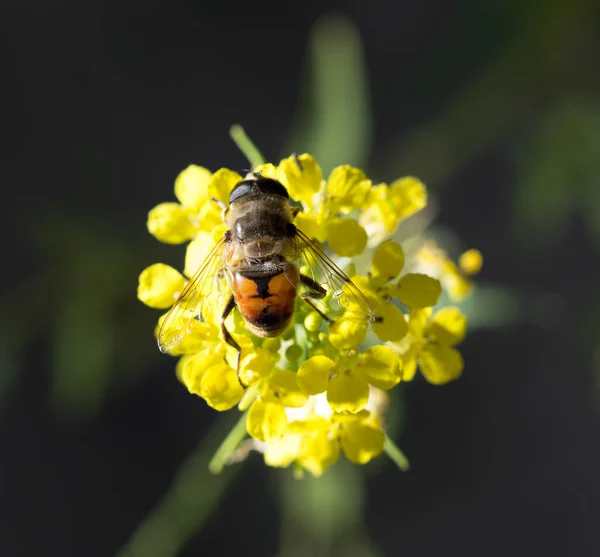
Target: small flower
(431,344)
(267,419)
(361,438)
(413,290)
(347,381)
(208,375)
(160,285)
(455,279)
(470,262)
(387,206)
(195,188)
(315,443)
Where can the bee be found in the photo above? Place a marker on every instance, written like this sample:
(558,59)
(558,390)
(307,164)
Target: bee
(257,267)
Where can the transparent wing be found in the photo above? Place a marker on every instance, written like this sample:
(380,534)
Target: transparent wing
(338,293)
(199,302)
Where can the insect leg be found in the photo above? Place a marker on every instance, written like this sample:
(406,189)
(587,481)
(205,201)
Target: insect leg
(228,338)
(305,297)
(316,292)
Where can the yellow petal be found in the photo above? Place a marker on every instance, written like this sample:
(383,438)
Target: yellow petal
(456,284)
(408,195)
(348,391)
(220,387)
(471,262)
(390,323)
(361,442)
(311,226)
(410,368)
(346,237)
(417,321)
(347,333)
(181,364)
(209,218)
(159,286)
(196,252)
(319,452)
(381,366)
(268,170)
(417,291)
(355,305)
(379,216)
(218,232)
(282,387)
(170,223)
(440,364)
(282,452)
(338,418)
(256,364)
(448,326)
(301,176)
(347,189)
(388,260)
(313,374)
(193,366)
(191,187)
(221,183)
(266,421)
(191,372)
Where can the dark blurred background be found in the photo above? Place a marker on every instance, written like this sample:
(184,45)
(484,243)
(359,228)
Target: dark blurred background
(495,105)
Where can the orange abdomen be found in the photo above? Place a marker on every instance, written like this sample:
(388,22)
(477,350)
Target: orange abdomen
(266,302)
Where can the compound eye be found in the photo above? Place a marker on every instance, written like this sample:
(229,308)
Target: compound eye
(243,188)
(268,185)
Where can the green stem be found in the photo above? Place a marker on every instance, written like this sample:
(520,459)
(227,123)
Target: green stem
(326,516)
(245,145)
(248,397)
(228,446)
(392,450)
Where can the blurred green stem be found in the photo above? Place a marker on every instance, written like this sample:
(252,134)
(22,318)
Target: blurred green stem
(191,499)
(324,517)
(394,452)
(333,120)
(246,146)
(228,446)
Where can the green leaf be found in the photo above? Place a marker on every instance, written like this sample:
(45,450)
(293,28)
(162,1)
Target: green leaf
(83,352)
(559,175)
(83,303)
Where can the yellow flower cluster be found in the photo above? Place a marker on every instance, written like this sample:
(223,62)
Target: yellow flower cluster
(311,392)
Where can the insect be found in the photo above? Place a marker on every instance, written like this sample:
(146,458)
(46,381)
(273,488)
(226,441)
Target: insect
(256,267)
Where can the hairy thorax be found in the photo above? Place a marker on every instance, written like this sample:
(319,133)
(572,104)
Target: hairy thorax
(261,228)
